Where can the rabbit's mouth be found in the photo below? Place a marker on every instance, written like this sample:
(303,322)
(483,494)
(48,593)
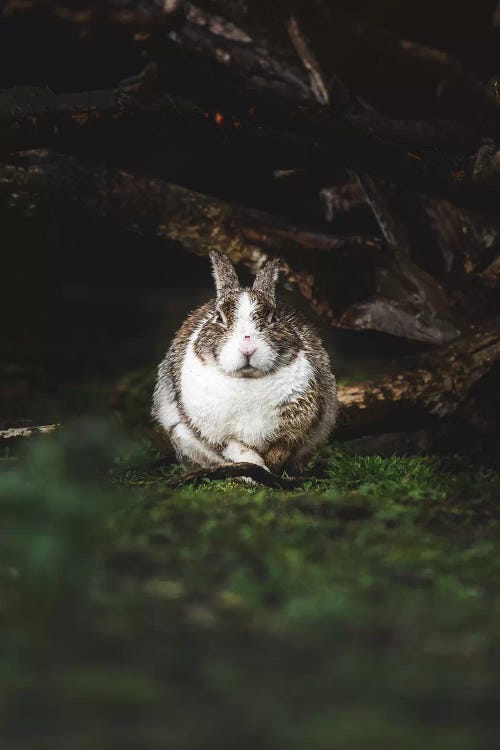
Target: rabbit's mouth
(248,371)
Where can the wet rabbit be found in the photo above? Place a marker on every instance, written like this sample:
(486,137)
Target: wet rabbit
(246,379)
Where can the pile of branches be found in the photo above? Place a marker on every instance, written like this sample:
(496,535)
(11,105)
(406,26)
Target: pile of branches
(386,220)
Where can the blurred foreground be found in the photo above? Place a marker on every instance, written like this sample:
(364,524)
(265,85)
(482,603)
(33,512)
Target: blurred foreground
(361,611)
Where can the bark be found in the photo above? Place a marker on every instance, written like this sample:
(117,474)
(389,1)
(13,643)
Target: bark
(235,49)
(464,241)
(126,15)
(156,208)
(310,63)
(436,388)
(341,199)
(334,34)
(320,144)
(30,118)
(389,295)
(491,275)
(392,228)
(205,37)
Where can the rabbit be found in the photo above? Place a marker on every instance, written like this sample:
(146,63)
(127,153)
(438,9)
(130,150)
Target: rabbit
(246,379)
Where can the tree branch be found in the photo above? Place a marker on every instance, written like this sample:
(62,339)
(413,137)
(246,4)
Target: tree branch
(158,209)
(335,33)
(127,15)
(320,143)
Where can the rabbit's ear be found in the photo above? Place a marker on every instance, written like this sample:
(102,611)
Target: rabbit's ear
(225,276)
(267,278)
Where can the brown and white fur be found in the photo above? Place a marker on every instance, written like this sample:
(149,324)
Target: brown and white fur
(246,379)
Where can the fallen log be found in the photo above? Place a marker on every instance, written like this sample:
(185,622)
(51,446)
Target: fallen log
(30,119)
(491,275)
(155,209)
(392,228)
(196,30)
(436,388)
(334,34)
(126,15)
(207,38)
(281,129)
(46,183)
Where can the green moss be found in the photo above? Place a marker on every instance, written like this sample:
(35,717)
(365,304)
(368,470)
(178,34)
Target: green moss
(361,610)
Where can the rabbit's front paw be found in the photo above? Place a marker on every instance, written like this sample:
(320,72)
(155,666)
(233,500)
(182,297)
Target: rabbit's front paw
(240,453)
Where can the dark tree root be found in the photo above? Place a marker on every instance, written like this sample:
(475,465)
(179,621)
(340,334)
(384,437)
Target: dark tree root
(233,471)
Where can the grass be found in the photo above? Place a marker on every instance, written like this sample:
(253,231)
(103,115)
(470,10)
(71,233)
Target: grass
(361,611)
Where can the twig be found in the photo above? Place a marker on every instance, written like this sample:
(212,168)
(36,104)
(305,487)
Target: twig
(232,471)
(21,433)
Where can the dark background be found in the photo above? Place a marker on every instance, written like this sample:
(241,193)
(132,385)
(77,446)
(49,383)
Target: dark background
(84,303)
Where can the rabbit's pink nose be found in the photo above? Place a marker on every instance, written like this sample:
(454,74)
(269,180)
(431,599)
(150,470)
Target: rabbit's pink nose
(247,348)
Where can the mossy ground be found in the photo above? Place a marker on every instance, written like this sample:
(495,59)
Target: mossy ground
(359,611)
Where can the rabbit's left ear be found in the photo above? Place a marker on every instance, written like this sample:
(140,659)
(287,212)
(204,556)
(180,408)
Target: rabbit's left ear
(267,278)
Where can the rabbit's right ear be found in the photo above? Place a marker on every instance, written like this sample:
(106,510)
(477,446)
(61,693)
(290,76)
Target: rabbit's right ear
(225,277)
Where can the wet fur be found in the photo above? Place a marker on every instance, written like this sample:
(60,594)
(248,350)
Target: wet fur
(277,414)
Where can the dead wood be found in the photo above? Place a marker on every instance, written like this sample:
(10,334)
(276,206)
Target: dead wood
(309,61)
(392,228)
(13,434)
(238,470)
(334,34)
(389,295)
(491,275)
(126,15)
(435,388)
(320,144)
(341,199)
(155,208)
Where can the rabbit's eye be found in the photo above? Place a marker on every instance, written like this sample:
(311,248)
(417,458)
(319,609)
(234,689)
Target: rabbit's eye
(220,318)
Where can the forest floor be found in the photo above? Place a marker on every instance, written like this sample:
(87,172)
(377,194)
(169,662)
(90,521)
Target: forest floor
(359,611)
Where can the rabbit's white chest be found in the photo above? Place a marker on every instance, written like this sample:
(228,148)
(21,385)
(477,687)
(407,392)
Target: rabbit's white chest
(223,407)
